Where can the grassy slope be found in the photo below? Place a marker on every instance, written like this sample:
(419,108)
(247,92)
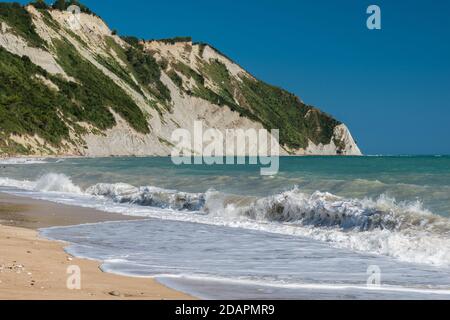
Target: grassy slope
(20,20)
(275,108)
(97,92)
(27,106)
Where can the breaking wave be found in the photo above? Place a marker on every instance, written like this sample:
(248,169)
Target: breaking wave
(16,161)
(149,196)
(403,230)
(52,182)
(383,226)
(322,209)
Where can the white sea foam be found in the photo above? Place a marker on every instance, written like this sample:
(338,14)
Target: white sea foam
(316,286)
(55,182)
(52,182)
(148,196)
(14,161)
(288,265)
(403,230)
(19,184)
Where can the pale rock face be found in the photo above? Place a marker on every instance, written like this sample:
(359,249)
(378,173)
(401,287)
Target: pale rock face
(46,33)
(341,133)
(122,140)
(91,26)
(47,82)
(181,51)
(235,70)
(18,46)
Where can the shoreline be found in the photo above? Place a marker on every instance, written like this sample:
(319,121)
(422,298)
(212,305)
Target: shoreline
(34,157)
(35,268)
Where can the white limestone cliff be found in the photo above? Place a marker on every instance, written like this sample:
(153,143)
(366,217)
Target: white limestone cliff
(122,140)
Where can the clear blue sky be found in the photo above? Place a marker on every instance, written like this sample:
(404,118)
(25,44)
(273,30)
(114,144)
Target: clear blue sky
(391,87)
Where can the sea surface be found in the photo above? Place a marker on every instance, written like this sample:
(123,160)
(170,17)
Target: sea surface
(322,228)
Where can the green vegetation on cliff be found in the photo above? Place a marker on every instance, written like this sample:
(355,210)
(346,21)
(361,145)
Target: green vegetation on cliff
(34,102)
(29,106)
(97,92)
(40,4)
(65,4)
(20,21)
(148,73)
(275,108)
(203,92)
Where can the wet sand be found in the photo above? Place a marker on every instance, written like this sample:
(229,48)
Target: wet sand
(35,268)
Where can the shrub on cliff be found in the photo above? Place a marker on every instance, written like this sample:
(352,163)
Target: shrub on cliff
(40,4)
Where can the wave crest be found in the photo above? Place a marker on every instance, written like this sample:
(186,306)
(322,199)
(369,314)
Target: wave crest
(322,209)
(149,196)
(403,230)
(56,182)
(51,182)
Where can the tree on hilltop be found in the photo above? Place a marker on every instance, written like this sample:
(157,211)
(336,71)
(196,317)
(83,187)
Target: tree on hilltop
(39,4)
(60,5)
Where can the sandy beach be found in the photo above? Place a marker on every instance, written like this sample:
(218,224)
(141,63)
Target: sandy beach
(35,268)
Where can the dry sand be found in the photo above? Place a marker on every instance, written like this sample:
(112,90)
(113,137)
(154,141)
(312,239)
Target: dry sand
(35,268)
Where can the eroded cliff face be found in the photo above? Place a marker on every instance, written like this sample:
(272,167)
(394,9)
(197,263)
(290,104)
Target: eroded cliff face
(86,91)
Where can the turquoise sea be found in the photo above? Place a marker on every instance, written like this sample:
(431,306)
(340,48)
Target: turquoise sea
(313,230)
